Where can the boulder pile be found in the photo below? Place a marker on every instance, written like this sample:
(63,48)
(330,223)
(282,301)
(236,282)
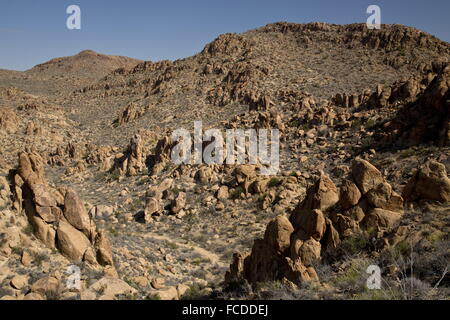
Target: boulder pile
(57,215)
(291,246)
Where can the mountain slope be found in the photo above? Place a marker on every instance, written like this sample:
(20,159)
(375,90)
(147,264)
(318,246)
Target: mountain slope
(234,70)
(86,64)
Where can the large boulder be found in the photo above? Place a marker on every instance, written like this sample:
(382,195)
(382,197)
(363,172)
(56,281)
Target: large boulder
(383,197)
(110,288)
(72,242)
(103,248)
(273,257)
(322,195)
(307,251)
(381,220)
(76,214)
(310,222)
(365,175)
(349,195)
(48,287)
(430,182)
(278,233)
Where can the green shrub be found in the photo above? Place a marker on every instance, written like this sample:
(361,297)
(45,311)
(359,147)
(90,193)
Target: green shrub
(274,182)
(236,194)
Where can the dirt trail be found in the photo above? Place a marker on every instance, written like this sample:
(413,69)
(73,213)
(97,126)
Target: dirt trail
(201,251)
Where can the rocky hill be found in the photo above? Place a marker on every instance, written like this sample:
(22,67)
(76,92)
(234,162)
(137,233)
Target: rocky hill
(87,180)
(62,75)
(86,64)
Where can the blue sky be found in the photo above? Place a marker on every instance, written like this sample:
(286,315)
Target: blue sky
(32,32)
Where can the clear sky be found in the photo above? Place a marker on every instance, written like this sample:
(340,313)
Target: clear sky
(32,31)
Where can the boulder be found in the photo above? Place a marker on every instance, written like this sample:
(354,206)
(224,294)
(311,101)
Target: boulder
(178,203)
(223,193)
(380,220)
(103,248)
(430,182)
(76,214)
(8,120)
(308,251)
(71,242)
(383,197)
(152,207)
(48,287)
(365,175)
(111,287)
(349,195)
(278,233)
(310,222)
(19,282)
(322,195)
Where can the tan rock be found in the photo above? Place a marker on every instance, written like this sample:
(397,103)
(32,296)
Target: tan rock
(278,233)
(365,175)
(182,289)
(157,283)
(382,196)
(104,253)
(43,231)
(151,208)
(380,219)
(72,242)
(222,193)
(307,251)
(322,195)
(204,174)
(430,182)
(48,287)
(312,223)
(111,287)
(26,258)
(19,282)
(349,195)
(179,203)
(31,168)
(8,120)
(76,214)
(141,281)
(169,293)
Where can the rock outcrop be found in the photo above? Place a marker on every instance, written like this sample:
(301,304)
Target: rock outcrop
(133,161)
(291,247)
(430,182)
(425,119)
(58,216)
(8,121)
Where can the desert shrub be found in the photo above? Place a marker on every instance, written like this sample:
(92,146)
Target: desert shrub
(114,175)
(153,296)
(40,257)
(236,194)
(6,292)
(274,182)
(238,288)
(354,276)
(351,246)
(196,292)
